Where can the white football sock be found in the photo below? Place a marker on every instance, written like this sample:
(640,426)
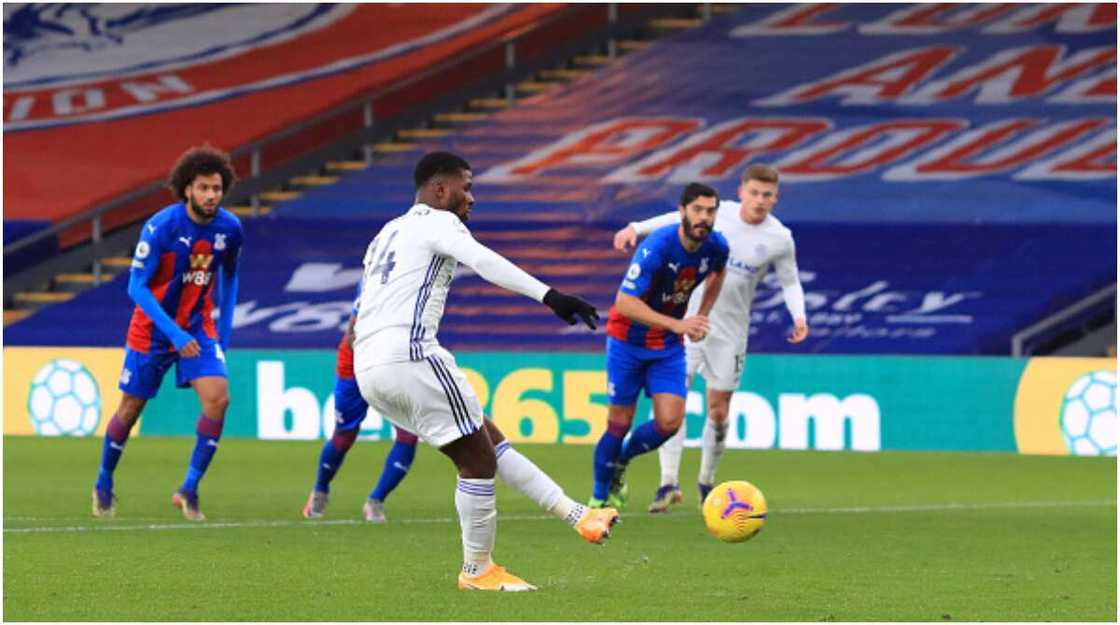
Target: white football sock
(520,473)
(670,455)
(714,436)
(478,518)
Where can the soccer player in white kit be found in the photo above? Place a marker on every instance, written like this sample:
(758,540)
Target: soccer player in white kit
(758,242)
(405,374)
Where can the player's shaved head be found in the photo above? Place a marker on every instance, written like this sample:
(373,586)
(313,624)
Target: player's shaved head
(198,161)
(438,163)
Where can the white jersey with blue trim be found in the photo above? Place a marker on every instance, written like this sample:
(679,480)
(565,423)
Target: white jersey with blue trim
(408,269)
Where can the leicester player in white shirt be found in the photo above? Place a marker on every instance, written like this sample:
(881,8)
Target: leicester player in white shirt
(758,241)
(406,375)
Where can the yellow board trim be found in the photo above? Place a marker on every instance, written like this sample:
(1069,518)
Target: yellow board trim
(1038,401)
(21,364)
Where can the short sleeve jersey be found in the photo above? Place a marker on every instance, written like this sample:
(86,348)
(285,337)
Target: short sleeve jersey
(663,274)
(178,259)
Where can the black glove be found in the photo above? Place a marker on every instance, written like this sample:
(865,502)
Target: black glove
(571,308)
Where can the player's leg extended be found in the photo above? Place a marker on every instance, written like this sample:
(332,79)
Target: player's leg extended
(715,433)
(349,410)
(520,472)
(397,464)
(116,436)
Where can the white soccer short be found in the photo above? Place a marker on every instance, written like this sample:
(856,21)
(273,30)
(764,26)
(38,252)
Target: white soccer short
(429,397)
(719,361)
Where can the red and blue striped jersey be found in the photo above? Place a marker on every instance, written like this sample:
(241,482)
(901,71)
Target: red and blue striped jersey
(179,259)
(663,274)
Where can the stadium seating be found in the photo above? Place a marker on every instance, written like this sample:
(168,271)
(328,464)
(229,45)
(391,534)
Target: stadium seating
(943,197)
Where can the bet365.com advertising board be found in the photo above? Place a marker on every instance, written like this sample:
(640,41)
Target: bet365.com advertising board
(863,403)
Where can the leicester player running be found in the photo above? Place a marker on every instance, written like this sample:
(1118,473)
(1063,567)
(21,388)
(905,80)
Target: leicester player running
(183,250)
(406,375)
(644,335)
(758,242)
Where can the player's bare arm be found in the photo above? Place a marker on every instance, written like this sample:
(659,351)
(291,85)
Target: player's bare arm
(800,331)
(634,308)
(713,286)
(627,237)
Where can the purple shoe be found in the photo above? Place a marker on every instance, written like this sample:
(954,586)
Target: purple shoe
(666,496)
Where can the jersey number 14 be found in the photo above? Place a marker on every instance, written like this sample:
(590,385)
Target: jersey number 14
(385,263)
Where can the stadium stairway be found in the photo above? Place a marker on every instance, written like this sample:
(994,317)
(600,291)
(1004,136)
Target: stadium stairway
(64,286)
(445,124)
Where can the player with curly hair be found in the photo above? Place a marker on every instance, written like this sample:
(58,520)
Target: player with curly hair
(183,250)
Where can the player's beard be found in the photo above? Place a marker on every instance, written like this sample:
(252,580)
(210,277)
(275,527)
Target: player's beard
(462,210)
(689,230)
(200,211)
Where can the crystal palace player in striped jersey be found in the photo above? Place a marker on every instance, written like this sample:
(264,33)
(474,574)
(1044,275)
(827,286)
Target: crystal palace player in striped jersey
(644,335)
(183,250)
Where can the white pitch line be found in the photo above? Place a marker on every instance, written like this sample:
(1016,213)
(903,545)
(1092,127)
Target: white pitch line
(109,527)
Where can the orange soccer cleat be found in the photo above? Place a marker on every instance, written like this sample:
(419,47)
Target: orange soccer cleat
(495,578)
(595,525)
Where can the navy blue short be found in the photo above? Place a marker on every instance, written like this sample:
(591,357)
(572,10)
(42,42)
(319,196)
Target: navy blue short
(631,368)
(143,372)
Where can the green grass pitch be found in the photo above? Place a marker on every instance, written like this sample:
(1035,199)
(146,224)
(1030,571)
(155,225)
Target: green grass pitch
(851,536)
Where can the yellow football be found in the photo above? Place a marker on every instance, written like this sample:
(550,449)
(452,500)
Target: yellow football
(735,511)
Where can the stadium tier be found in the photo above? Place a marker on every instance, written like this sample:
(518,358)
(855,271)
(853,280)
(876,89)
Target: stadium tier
(157,78)
(874,113)
(948,172)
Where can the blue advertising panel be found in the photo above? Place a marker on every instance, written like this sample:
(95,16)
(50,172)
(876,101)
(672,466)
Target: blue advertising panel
(869,289)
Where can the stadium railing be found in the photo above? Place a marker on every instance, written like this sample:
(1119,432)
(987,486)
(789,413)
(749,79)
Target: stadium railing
(1076,320)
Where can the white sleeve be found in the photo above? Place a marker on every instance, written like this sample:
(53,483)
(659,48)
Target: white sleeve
(653,223)
(456,241)
(786,268)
